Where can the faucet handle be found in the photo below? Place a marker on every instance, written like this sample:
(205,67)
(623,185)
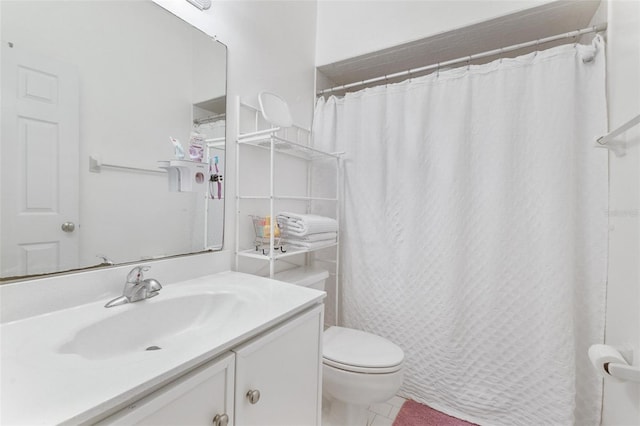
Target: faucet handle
(152,285)
(136,275)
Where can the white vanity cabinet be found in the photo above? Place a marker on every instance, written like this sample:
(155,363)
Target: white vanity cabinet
(273,379)
(194,399)
(278,375)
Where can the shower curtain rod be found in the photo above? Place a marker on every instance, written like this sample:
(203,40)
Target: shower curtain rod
(468,59)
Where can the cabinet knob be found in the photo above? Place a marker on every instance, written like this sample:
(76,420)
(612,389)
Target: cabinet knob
(253,396)
(221,420)
(68,226)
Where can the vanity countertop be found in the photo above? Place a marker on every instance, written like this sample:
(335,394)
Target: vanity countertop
(73,365)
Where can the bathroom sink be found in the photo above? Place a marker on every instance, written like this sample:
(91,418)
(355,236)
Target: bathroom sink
(71,365)
(154,324)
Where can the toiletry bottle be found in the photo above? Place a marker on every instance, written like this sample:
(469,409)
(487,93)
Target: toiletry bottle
(267,228)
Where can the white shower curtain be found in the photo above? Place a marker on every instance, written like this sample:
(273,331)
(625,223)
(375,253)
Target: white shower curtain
(475,231)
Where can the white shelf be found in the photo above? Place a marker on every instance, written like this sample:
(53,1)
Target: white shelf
(284,146)
(257,254)
(284,197)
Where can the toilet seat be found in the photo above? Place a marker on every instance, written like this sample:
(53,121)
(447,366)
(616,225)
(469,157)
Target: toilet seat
(360,352)
(364,370)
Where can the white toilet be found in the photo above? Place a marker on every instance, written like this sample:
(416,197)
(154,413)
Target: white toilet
(358,368)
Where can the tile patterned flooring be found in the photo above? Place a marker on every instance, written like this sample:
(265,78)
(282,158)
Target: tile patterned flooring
(384,413)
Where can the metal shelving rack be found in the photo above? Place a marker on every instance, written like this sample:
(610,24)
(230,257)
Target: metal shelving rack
(294,141)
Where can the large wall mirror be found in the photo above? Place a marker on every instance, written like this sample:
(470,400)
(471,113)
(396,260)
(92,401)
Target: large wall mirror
(92,92)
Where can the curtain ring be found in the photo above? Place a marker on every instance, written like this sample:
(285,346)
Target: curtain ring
(438,70)
(501,54)
(537,44)
(410,76)
(469,63)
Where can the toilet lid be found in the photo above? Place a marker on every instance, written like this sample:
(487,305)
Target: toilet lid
(346,348)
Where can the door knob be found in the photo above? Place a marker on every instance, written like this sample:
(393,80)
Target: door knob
(253,396)
(221,420)
(68,226)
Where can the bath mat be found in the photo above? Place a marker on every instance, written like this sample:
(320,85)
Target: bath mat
(415,414)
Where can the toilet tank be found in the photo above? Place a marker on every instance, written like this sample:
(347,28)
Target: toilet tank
(305,276)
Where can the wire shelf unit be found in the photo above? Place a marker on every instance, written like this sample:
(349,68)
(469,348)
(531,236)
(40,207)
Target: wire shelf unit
(253,132)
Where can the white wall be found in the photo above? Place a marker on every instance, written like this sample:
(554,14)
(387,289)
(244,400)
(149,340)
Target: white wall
(124,117)
(271,46)
(622,400)
(350,28)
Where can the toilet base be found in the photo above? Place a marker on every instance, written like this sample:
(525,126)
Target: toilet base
(339,413)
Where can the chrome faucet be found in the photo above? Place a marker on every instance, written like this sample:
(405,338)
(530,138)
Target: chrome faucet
(136,287)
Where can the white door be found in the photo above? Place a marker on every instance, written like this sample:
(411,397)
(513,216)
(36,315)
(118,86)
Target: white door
(39,164)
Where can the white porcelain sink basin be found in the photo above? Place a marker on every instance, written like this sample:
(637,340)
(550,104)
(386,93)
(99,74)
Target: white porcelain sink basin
(153,324)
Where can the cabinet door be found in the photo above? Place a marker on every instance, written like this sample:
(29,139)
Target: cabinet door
(193,399)
(284,366)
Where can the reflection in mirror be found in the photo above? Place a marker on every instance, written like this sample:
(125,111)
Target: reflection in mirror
(91,94)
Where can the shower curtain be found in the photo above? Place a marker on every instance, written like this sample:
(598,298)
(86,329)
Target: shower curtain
(474,231)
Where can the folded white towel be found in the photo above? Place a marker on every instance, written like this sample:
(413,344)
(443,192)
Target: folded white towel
(299,232)
(310,245)
(305,224)
(323,236)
